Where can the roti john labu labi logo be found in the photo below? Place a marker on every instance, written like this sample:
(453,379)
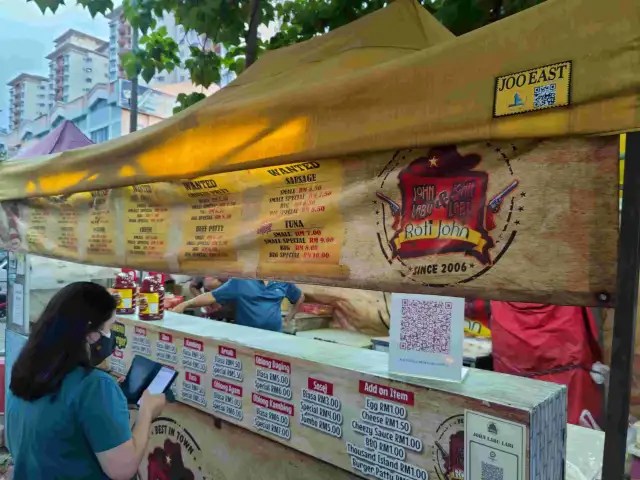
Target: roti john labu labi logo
(444,207)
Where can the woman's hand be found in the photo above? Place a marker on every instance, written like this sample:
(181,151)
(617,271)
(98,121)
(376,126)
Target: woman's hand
(152,404)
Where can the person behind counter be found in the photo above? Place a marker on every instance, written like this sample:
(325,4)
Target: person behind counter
(65,418)
(200,285)
(258,303)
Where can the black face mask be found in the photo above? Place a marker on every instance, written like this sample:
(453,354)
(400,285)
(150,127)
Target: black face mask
(102,349)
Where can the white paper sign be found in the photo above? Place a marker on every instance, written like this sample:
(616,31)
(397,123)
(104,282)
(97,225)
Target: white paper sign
(426,338)
(494,448)
(21,263)
(17,305)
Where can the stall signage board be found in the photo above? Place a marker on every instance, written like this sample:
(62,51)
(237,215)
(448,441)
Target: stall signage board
(499,220)
(426,337)
(535,89)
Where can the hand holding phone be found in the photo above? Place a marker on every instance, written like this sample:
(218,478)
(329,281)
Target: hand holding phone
(152,403)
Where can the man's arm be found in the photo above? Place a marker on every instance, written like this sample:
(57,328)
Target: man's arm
(294,292)
(203,300)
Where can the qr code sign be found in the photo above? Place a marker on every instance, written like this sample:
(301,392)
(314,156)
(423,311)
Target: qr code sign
(544,96)
(491,472)
(425,326)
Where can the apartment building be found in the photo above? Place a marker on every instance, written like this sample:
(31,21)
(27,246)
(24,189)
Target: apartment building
(78,62)
(27,98)
(120,42)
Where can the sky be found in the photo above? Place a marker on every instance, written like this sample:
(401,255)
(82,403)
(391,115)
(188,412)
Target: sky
(26,38)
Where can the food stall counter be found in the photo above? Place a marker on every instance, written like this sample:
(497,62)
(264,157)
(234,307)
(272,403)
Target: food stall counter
(342,406)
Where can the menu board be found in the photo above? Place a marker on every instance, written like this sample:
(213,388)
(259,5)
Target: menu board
(301,224)
(36,226)
(147,225)
(100,241)
(64,227)
(386,434)
(141,344)
(227,383)
(211,224)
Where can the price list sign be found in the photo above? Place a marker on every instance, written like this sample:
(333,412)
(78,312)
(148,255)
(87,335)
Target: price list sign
(227,399)
(214,214)
(300,220)
(39,213)
(166,349)
(273,378)
(193,390)
(193,356)
(100,243)
(117,363)
(141,343)
(146,225)
(65,227)
(227,383)
(320,409)
(386,433)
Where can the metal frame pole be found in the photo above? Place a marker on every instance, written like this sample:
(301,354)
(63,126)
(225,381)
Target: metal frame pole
(624,327)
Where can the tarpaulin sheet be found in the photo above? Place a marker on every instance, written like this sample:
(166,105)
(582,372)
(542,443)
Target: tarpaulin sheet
(64,137)
(518,220)
(395,79)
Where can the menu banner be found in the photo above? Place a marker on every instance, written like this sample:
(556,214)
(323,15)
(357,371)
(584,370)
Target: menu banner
(519,221)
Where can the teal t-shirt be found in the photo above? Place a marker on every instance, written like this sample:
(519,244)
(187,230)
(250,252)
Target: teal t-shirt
(58,438)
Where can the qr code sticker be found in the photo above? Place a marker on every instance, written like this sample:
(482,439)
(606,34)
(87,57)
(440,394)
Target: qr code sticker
(544,96)
(425,326)
(491,472)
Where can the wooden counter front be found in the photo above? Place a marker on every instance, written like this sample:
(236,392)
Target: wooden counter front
(340,404)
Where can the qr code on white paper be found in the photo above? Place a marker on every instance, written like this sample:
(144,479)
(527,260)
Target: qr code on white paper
(425,326)
(544,96)
(492,472)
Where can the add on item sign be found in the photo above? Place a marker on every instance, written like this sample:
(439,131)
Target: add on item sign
(426,337)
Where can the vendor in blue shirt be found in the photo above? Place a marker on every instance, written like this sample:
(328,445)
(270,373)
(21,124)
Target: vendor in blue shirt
(258,302)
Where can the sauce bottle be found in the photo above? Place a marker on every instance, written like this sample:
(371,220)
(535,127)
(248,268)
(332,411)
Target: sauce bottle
(125,286)
(152,291)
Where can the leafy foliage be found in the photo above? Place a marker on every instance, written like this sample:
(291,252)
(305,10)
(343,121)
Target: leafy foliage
(186,100)
(159,52)
(234,24)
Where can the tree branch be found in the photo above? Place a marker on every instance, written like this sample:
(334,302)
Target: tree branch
(252,34)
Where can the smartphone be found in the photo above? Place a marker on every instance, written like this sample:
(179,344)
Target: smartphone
(161,382)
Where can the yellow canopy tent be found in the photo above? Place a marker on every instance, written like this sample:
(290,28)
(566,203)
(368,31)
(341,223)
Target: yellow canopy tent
(395,79)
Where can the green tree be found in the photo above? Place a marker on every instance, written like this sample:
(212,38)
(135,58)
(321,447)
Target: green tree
(235,24)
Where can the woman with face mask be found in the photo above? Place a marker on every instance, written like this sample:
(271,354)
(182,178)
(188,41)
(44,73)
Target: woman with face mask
(66,419)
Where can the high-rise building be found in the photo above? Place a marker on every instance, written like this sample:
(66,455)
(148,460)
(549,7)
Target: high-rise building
(78,62)
(27,97)
(120,42)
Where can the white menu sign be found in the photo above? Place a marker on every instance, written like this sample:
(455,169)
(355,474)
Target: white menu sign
(494,448)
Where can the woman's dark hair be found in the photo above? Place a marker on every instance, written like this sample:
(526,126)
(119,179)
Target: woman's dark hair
(58,342)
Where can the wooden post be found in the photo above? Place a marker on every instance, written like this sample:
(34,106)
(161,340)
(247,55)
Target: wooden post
(625,317)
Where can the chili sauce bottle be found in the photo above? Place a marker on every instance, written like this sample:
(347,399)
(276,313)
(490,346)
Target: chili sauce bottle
(152,294)
(125,286)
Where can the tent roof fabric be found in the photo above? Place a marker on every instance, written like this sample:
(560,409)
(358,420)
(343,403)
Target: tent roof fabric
(65,136)
(394,79)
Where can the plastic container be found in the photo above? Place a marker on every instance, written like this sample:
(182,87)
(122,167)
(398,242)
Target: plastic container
(125,286)
(152,291)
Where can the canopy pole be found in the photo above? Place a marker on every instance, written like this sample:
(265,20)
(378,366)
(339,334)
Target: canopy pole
(624,327)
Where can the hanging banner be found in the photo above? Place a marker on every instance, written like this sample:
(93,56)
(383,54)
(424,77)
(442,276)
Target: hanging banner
(529,220)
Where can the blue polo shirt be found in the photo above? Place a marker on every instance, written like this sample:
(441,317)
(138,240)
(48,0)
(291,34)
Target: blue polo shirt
(257,304)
